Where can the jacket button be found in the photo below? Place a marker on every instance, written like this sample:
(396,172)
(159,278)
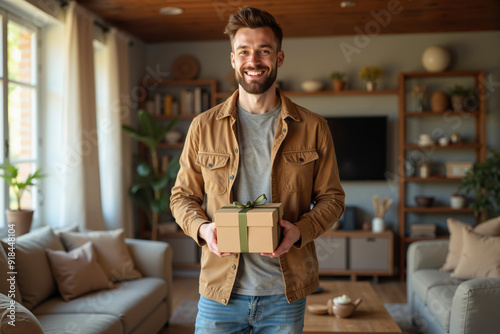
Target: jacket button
(210,165)
(235,256)
(284,130)
(235,150)
(233,266)
(231,177)
(224,300)
(301,159)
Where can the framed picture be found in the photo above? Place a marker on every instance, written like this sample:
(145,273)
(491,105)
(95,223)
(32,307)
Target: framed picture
(457,169)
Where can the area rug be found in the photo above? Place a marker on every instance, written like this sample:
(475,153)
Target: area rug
(184,317)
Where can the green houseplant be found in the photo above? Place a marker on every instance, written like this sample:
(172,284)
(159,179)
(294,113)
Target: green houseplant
(458,95)
(338,80)
(20,218)
(151,190)
(483,181)
(370,74)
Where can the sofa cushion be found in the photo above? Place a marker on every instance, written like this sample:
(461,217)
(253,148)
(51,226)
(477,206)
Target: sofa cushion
(480,257)
(112,252)
(34,275)
(457,230)
(77,271)
(80,323)
(439,302)
(17,319)
(425,279)
(131,301)
(8,283)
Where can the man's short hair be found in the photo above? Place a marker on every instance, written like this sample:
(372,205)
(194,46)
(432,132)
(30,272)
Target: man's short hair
(250,17)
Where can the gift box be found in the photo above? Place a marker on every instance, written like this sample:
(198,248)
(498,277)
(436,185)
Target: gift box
(242,229)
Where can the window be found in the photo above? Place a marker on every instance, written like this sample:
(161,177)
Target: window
(19,99)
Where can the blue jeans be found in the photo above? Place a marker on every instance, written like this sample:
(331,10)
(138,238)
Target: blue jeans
(263,315)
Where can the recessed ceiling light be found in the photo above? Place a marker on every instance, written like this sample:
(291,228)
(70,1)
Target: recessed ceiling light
(171,11)
(345,4)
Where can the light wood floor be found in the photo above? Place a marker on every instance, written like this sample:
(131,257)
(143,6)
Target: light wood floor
(389,290)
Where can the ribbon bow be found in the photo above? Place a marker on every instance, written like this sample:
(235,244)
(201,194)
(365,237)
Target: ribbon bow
(251,204)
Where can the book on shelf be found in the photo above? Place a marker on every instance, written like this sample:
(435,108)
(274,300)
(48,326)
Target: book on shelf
(197,101)
(157,104)
(167,105)
(187,102)
(205,100)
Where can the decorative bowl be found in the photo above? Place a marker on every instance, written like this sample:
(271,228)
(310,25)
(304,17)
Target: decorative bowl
(311,86)
(424,201)
(173,136)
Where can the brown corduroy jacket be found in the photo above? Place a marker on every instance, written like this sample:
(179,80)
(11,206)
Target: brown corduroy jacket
(304,174)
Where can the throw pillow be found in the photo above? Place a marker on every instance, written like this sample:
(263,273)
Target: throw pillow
(17,319)
(8,284)
(77,271)
(112,252)
(457,230)
(480,257)
(34,276)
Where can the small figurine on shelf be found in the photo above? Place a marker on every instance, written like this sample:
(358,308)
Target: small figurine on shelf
(380,208)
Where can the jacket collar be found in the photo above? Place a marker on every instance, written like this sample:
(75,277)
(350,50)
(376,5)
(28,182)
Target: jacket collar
(288,108)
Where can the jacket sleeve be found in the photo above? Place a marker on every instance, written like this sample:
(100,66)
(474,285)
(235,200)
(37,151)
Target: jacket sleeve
(188,192)
(328,195)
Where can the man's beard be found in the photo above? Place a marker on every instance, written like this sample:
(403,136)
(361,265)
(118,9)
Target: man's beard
(255,87)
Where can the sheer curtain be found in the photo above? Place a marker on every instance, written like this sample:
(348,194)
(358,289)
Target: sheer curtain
(80,193)
(114,144)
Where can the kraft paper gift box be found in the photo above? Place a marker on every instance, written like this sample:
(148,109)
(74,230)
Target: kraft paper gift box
(248,230)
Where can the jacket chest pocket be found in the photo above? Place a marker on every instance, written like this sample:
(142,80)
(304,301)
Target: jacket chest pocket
(299,170)
(214,168)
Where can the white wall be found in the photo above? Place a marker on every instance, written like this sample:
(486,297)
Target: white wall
(307,58)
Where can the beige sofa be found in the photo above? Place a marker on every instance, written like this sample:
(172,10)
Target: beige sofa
(443,304)
(139,299)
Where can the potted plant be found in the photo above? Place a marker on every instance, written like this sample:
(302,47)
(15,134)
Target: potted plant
(338,81)
(371,74)
(20,218)
(151,192)
(482,180)
(458,95)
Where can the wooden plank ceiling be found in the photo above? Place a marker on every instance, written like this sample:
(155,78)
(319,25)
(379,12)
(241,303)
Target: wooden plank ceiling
(206,19)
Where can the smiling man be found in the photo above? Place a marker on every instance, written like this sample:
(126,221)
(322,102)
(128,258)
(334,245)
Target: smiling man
(257,142)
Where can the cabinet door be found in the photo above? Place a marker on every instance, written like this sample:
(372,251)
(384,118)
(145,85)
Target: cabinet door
(369,253)
(331,253)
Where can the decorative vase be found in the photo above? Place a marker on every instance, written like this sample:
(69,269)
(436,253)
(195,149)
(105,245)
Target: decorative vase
(20,219)
(457,102)
(457,201)
(439,101)
(378,225)
(436,58)
(338,85)
(370,86)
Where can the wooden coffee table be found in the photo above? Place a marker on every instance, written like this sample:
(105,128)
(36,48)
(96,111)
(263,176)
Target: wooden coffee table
(369,317)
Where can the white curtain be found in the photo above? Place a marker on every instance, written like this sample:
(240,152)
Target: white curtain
(114,144)
(80,195)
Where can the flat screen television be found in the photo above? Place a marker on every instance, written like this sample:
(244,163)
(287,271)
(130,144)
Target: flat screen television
(360,146)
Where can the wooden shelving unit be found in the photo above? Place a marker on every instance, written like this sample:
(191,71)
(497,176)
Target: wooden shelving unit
(477,146)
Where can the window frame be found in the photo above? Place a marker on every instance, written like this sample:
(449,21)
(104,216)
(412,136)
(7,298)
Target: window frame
(22,20)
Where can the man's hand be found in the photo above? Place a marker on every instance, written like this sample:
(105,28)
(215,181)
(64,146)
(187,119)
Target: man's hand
(291,235)
(208,232)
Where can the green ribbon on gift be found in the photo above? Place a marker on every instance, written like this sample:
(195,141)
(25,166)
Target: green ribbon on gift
(242,217)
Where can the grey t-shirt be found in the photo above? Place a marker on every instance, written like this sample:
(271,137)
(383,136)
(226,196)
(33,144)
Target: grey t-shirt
(257,275)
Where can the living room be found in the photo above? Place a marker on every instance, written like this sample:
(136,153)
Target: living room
(373,40)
